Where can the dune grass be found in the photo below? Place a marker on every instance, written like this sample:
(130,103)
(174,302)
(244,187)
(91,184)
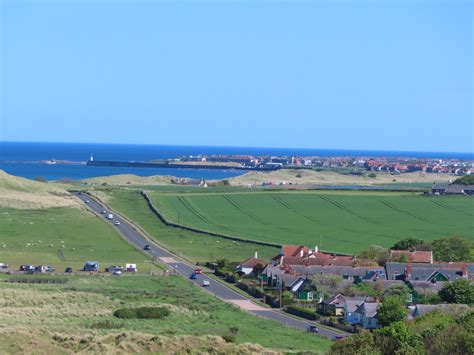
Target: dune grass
(63,237)
(84,306)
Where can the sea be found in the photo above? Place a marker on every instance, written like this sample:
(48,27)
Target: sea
(32,159)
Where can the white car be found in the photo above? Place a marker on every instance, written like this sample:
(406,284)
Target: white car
(117,272)
(87,201)
(117,223)
(205,283)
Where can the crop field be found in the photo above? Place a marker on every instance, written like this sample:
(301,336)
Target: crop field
(340,221)
(193,246)
(62,237)
(77,316)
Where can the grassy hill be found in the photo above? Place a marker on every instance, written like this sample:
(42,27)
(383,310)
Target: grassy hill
(345,221)
(17,192)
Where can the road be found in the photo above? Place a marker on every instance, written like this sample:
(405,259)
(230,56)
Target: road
(184,269)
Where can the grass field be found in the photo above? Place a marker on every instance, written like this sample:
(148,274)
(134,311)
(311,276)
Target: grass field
(62,237)
(344,221)
(194,246)
(78,316)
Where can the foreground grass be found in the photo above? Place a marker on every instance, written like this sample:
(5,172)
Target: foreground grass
(62,237)
(83,306)
(344,221)
(194,246)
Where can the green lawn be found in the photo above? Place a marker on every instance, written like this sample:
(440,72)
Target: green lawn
(194,246)
(83,307)
(63,237)
(344,221)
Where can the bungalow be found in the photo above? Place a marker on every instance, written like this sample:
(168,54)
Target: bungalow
(304,289)
(247,266)
(350,306)
(367,313)
(428,272)
(333,305)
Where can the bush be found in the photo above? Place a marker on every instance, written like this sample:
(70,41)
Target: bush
(303,312)
(142,313)
(459,291)
(372,175)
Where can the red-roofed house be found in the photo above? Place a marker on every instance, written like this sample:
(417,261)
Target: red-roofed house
(247,266)
(418,256)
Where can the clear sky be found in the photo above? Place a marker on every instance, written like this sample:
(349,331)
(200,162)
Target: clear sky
(386,75)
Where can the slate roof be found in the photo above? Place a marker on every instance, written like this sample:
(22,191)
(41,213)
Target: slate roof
(422,271)
(334,270)
(369,308)
(426,285)
(351,303)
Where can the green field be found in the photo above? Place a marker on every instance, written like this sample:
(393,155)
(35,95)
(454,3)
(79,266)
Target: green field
(344,221)
(77,316)
(63,237)
(193,246)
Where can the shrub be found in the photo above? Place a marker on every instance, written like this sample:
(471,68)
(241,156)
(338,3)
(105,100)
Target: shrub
(142,313)
(372,175)
(459,291)
(303,312)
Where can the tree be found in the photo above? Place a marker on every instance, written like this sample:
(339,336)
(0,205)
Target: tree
(391,311)
(402,292)
(452,249)
(407,244)
(459,291)
(376,252)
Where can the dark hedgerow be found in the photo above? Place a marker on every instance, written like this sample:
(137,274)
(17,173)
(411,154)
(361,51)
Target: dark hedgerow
(142,313)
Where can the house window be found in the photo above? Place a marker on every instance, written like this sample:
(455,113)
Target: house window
(310,296)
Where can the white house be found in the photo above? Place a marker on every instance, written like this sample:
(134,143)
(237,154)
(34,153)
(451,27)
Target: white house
(246,267)
(367,313)
(350,307)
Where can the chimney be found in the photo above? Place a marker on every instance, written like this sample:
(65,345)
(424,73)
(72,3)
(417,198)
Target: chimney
(408,272)
(316,249)
(464,271)
(256,254)
(301,253)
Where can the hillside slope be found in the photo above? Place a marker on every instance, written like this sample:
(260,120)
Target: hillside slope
(17,192)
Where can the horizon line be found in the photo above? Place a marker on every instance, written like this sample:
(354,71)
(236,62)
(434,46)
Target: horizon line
(245,147)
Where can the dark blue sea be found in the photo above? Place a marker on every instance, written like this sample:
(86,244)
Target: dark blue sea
(24,159)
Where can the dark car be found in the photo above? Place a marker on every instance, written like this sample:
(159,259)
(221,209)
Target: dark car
(147,247)
(68,270)
(339,337)
(193,277)
(312,329)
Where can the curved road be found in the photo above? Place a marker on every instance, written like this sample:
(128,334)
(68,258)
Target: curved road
(219,289)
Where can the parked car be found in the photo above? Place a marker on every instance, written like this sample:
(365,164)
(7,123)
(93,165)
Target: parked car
(50,268)
(3,266)
(147,247)
(117,272)
(68,270)
(193,277)
(113,268)
(91,266)
(205,283)
(312,329)
(103,212)
(339,337)
(24,267)
(198,271)
(117,223)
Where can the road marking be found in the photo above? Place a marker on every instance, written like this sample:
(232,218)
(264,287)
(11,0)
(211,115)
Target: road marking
(248,305)
(167,260)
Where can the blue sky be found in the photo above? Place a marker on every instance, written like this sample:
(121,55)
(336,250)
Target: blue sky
(386,75)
